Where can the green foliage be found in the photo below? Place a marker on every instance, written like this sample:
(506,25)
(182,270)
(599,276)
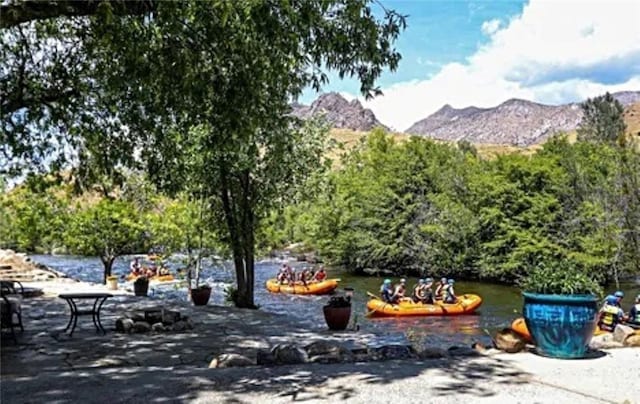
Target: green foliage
(418,207)
(106,229)
(33,219)
(602,121)
(561,277)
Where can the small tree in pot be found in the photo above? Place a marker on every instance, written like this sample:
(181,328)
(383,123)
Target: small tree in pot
(561,308)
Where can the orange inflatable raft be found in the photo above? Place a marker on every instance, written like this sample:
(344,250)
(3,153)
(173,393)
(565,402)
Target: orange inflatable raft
(162,278)
(312,288)
(520,326)
(466,304)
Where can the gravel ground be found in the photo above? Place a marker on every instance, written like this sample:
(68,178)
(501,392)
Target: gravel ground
(119,368)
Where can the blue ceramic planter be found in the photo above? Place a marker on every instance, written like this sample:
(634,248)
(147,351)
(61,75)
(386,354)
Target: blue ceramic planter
(561,326)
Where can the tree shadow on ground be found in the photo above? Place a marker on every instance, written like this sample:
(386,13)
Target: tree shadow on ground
(49,367)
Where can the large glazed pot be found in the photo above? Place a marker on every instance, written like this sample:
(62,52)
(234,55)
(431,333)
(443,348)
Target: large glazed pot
(337,318)
(561,326)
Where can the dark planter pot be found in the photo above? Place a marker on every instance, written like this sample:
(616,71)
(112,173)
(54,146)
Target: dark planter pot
(337,318)
(561,326)
(200,296)
(140,288)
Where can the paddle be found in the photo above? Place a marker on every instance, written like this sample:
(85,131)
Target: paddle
(370,312)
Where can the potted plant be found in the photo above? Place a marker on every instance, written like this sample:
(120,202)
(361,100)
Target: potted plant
(141,286)
(561,309)
(200,294)
(112,282)
(337,312)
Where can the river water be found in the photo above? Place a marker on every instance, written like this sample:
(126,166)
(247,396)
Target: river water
(501,304)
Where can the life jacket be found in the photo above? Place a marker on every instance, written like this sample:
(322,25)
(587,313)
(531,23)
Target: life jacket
(320,276)
(400,290)
(439,291)
(610,317)
(636,318)
(386,293)
(419,291)
(448,293)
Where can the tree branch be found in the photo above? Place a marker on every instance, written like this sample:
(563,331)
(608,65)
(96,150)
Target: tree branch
(18,12)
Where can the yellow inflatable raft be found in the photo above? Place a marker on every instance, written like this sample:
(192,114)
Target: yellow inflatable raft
(466,304)
(520,326)
(312,288)
(161,278)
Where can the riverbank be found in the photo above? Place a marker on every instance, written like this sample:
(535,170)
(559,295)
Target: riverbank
(89,367)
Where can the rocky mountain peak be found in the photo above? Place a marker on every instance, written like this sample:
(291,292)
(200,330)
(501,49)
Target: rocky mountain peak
(339,112)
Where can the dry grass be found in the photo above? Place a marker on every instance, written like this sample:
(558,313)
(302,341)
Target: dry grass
(350,138)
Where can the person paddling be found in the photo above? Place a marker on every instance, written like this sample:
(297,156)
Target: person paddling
(610,315)
(135,267)
(386,291)
(449,293)
(399,291)
(634,313)
(428,292)
(418,294)
(321,275)
(440,288)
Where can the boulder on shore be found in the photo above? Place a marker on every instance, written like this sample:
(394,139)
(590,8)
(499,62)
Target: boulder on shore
(604,341)
(230,360)
(621,332)
(509,341)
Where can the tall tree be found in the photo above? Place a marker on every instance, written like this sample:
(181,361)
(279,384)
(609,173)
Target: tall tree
(203,89)
(602,120)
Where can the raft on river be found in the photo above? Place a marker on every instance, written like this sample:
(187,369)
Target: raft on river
(159,278)
(312,288)
(520,326)
(466,304)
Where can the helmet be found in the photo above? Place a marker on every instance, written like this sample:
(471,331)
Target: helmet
(638,298)
(387,282)
(619,293)
(421,281)
(429,280)
(403,280)
(443,280)
(612,299)
(450,281)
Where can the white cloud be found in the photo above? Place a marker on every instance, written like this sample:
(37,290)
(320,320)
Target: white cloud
(491,26)
(553,52)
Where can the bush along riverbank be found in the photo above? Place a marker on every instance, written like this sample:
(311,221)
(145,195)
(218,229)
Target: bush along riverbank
(420,207)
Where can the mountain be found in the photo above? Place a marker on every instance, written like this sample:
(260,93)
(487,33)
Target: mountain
(341,113)
(514,122)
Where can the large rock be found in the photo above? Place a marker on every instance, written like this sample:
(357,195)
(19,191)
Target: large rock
(462,351)
(432,353)
(124,325)
(632,340)
(230,360)
(509,341)
(621,332)
(289,354)
(604,341)
(141,326)
(265,357)
(158,327)
(389,352)
(328,352)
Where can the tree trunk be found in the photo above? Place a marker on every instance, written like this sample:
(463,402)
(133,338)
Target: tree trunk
(241,233)
(107,262)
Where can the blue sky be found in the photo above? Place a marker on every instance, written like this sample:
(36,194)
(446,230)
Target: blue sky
(470,52)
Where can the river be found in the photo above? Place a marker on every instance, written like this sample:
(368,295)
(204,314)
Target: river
(501,304)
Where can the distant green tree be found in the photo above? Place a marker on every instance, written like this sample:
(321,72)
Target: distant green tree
(107,229)
(602,120)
